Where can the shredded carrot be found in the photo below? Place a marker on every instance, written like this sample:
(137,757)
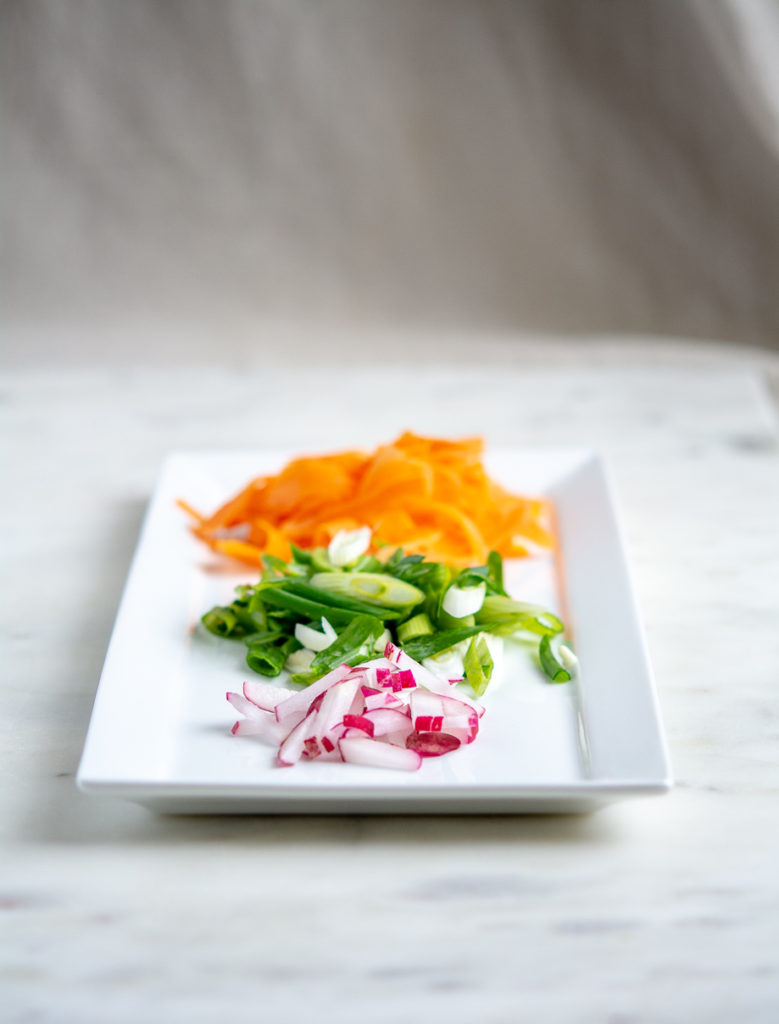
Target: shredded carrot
(430,496)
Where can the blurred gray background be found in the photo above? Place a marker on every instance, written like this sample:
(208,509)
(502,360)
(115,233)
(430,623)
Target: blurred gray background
(608,166)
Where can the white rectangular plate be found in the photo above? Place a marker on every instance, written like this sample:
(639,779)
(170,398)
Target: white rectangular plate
(160,729)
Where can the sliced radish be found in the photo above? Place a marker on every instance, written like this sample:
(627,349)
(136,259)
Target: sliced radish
(383,699)
(246,707)
(291,749)
(425,677)
(265,695)
(387,720)
(432,744)
(299,702)
(361,722)
(376,754)
(266,728)
(335,704)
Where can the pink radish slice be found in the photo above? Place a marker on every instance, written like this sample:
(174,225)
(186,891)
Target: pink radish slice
(427,711)
(397,739)
(425,677)
(387,720)
(376,754)
(358,703)
(301,701)
(361,722)
(464,727)
(311,747)
(406,679)
(432,744)
(429,723)
(240,703)
(383,699)
(335,704)
(383,676)
(267,728)
(265,695)
(291,748)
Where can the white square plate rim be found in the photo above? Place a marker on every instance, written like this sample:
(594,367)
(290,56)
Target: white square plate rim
(97,773)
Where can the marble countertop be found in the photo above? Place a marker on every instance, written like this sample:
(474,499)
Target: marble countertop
(657,910)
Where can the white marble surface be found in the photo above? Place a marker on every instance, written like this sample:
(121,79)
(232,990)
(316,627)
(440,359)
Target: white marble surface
(661,910)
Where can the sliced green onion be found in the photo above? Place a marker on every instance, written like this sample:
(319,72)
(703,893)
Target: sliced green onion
(328,597)
(568,658)
(461,601)
(299,662)
(478,665)
(285,600)
(419,625)
(268,658)
(371,588)
(554,668)
(428,646)
(300,556)
(362,629)
(366,563)
(503,616)
(347,546)
(222,622)
(314,639)
(495,565)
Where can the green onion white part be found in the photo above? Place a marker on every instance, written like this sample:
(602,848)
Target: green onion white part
(347,546)
(461,601)
(568,658)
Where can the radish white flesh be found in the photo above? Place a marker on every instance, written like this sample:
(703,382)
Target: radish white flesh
(291,748)
(335,704)
(240,703)
(265,695)
(376,754)
(387,720)
(267,728)
(385,699)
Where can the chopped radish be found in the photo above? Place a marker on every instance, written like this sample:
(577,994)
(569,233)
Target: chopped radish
(361,722)
(335,704)
(383,699)
(389,712)
(379,755)
(267,728)
(387,720)
(432,744)
(246,707)
(265,695)
(291,749)
(299,702)
(425,677)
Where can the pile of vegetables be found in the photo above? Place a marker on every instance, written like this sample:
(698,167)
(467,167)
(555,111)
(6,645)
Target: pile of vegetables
(341,605)
(429,495)
(387,713)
